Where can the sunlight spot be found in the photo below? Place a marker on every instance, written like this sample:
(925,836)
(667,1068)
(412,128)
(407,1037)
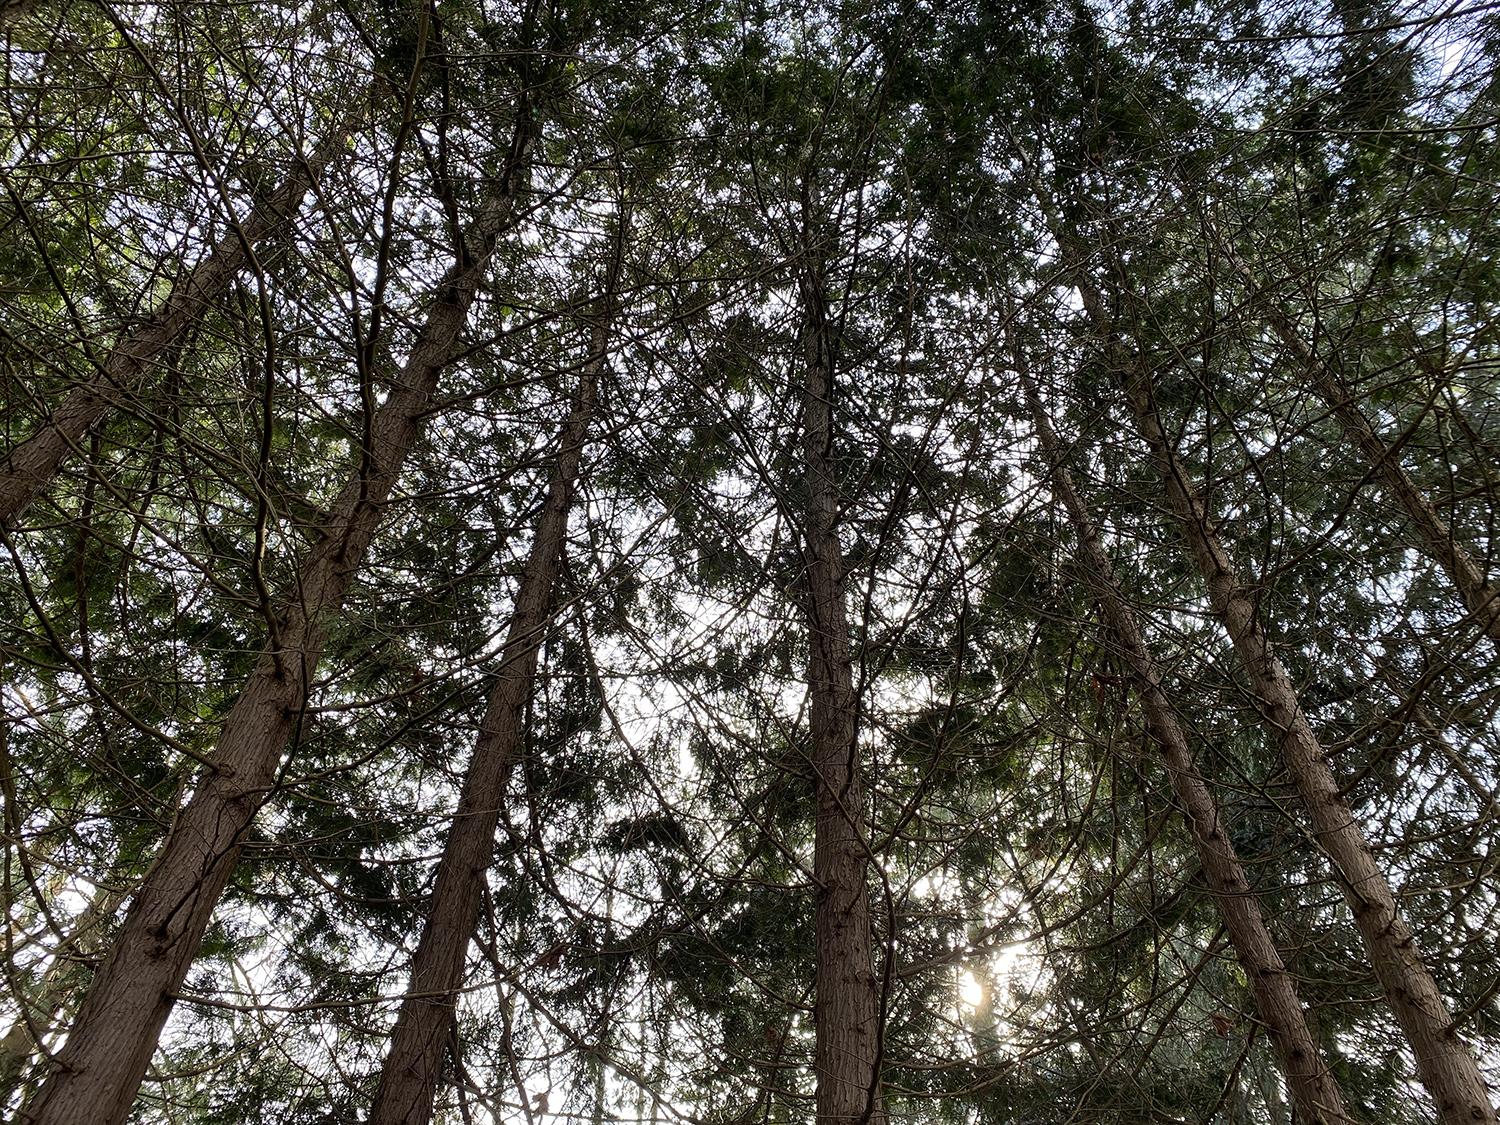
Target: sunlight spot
(970,991)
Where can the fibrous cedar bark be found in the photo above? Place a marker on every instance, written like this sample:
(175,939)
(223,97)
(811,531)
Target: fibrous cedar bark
(1445,1064)
(1314,1091)
(29,467)
(847,1004)
(408,1080)
(1478,594)
(95,1077)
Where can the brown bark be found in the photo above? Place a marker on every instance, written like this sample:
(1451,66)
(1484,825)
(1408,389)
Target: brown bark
(424,1026)
(34,462)
(1444,1062)
(1477,593)
(847,1003)
(1314,1091)
(97,1073)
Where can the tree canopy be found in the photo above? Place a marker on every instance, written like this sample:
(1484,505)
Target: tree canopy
(750,562)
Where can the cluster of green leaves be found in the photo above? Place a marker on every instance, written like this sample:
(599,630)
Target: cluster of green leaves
(1046,946)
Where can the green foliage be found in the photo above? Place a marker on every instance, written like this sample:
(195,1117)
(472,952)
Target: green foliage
(1244,187)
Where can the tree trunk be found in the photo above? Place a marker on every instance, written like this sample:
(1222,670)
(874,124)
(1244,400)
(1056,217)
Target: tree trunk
(847,1009)
(408,1081)
(34,462)
(1314,1091)
(1444,1062)
(1479,596)
(97,1073)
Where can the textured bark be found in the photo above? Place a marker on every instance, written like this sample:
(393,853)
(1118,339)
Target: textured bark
(34,462)
(1314,1091)
(1479,596)
(424,1026)
(1444,1062)
(847,1007)
(97,1073)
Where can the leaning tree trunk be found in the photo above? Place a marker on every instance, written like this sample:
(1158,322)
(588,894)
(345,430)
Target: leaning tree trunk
(847,1007)
(96,1075)
(34,462)
(1478,594)
(408,1081)
(1313,1088)
(1444,1062)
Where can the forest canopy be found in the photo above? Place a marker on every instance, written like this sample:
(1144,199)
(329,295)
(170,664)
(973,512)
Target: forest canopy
(750,562)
